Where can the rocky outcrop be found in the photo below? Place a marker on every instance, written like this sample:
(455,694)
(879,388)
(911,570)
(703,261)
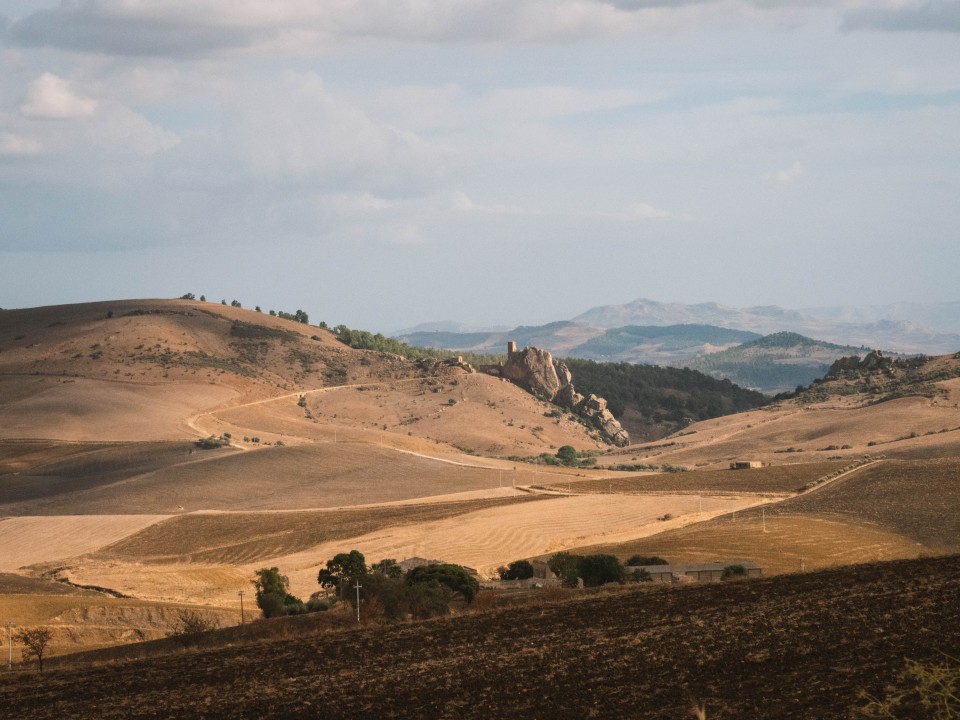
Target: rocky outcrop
(871,362)
(536,371)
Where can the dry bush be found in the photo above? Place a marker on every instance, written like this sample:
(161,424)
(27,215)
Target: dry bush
(372,611)
(483,601)
(191,624)
(932,689)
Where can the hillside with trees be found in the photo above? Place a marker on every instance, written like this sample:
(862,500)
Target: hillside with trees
(652,401)
(774,363)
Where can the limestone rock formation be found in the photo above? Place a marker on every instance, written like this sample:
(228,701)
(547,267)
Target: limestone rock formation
(536,371)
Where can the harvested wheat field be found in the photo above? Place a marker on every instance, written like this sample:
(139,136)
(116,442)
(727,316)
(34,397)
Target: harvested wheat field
(886,510)
(486,539)
(30,540)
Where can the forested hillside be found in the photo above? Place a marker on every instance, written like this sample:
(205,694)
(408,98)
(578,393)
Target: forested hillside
(774,363)
(652,401)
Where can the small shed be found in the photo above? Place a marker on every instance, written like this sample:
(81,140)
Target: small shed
(746,464)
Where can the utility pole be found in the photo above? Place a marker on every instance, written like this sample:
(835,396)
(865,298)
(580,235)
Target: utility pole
(241,608)
(358,586)
(10,627)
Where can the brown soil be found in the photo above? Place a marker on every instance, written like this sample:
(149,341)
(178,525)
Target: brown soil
(798,646)
(778,479)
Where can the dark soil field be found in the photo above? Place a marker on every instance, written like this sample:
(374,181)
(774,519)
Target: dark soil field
(919,499)
(775,479)
(796,646)
(275,478)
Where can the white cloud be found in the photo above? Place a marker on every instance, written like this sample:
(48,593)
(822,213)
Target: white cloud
(300,131)
(788,175)
(50,98)
(13,144)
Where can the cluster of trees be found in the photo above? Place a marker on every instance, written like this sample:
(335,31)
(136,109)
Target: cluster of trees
(597,570)
(384,589)
(363,340)
(299,316)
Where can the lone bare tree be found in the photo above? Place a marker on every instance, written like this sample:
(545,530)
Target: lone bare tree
(35,641)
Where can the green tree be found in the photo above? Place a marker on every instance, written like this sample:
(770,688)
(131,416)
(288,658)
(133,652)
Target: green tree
(342,570)
(273,597)
(388,567)
(599,570)
(638,560)
(567,454)
(566,566)
(517,570)
(733,571)
(188,296)
(452,576)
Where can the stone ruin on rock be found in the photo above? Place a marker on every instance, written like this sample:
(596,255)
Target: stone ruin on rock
(536,371)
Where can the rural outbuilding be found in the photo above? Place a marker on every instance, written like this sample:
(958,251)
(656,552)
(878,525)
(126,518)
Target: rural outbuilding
(702,572)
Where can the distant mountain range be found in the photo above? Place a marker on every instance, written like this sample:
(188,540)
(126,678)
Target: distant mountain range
(766,348)
(901,327)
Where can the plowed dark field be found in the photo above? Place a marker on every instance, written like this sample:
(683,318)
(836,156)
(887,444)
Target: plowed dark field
(799,646)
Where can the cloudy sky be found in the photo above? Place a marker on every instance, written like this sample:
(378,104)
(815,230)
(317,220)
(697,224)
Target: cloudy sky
(383,163)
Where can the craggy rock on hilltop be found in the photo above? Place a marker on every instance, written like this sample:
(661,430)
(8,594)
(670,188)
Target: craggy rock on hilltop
(873,361)
(536,371)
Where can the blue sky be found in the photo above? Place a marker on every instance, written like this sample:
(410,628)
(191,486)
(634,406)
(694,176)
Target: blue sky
(388,162)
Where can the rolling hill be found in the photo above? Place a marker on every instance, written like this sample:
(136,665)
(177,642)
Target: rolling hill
(328,448)
(774,363)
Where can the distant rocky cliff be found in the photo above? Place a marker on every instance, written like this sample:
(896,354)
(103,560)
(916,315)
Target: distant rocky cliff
(536,371)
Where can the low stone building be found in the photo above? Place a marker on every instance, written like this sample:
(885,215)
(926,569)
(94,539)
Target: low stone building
(700,572)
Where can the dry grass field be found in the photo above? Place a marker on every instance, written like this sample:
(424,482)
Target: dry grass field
(815,432)
(95,620)
(31,540)
(242,538)
(891,509)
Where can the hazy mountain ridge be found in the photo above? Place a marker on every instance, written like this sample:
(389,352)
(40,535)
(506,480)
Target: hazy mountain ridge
(901,327)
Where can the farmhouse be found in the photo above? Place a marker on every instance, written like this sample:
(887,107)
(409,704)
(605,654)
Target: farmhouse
(745,464)
(703,572)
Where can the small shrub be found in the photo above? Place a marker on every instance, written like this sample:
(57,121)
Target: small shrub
(646,560)
(517,570)
(190,624)
(733,571)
